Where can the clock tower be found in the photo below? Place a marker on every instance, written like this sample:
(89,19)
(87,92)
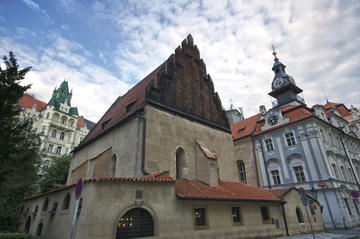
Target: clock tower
(283,86)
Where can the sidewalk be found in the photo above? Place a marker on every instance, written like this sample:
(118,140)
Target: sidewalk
(332,234)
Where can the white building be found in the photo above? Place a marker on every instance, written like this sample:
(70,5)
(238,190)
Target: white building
(60,127)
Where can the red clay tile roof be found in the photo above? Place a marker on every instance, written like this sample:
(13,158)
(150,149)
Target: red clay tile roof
(295,113)
(245,127)
(344,112)
(280,192)
(206,150)
(145,179)
(124,106)
(27,101)
(227,191)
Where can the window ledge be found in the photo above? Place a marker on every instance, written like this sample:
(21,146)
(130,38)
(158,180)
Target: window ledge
(201,227)
(238,224)
(267,222)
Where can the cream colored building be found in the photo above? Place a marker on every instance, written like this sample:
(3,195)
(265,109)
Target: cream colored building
(159,164)
(60,127)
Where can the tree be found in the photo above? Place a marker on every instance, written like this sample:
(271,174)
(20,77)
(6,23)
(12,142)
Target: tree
(55,175)
(19,154)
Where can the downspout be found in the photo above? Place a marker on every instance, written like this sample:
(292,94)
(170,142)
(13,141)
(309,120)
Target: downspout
(266,171)
(352,169)
(284,216)
(256,167)
(141,116)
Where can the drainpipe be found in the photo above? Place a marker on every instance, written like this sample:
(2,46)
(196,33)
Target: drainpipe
(256,167)
(141,116)
(284,216)
(266,171)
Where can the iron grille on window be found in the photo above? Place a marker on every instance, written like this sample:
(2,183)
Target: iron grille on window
(135,223)
(276,177)
(236,214)
(199,215)
(299,173)
(265,213)
(290,139)
(269,145)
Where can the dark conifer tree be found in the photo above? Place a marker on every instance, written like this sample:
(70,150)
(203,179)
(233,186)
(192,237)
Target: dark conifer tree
(19,154)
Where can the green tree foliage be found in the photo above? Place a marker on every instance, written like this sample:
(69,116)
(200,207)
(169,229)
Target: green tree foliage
(55,175)
(19,154)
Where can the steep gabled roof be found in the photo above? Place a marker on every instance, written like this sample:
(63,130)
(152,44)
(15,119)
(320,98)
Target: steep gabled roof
(180,85)
(225,191)
(344,112)
(27,101)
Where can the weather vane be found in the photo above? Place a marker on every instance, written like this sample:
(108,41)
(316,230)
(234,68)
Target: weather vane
(274,52)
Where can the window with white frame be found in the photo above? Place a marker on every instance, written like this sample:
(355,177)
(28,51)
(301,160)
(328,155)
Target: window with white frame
(50,148)
(299,174)
(242,171)
(58,150)
(43,129)
(276,177)
(290,139)
(269,145)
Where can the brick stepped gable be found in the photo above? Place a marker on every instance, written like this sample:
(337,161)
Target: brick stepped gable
(183,84)
(180,84)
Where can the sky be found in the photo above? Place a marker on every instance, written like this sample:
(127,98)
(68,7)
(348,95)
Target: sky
(103,48)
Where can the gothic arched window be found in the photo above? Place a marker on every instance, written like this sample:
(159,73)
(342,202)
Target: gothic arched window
(181,166)
(66,202)
(113,165)
(242,172)
(135,223)
(27,225)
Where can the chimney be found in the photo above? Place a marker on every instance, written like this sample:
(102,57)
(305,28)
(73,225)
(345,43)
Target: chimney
(262,109)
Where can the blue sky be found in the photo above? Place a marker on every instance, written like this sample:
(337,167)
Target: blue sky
(105,47)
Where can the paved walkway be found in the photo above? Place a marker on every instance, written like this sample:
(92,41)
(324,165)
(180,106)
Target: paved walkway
(333,234)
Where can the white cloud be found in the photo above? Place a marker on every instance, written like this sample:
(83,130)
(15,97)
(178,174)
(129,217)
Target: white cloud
(94,88)
(316,40)
(34,6)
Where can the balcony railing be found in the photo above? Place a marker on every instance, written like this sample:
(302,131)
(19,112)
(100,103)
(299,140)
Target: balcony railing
(275,103)
(61,125)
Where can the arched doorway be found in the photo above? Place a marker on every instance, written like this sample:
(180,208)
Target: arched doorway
(27,225)
(135,223)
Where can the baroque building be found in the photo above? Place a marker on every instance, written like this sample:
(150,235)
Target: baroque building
(160,164)
(292,145)
(60,127)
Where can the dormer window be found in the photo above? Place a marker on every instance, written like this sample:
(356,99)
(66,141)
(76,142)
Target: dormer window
(241,130)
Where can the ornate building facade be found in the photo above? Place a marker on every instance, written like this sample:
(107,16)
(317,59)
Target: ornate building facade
(160,164)
(316,148)
(60,127)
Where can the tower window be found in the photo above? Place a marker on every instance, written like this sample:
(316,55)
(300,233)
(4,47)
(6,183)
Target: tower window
(269,145)
(276,177)
(299,174)
(290,139)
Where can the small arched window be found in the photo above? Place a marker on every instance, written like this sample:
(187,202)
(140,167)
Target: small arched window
(39,229)
(113,165)
(181,166)
(299,215)
(45,205)
(242,172)
(135,223)
(66,202)
(53,134)
(27,225)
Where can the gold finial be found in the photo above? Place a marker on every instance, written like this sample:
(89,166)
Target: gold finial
(274,52)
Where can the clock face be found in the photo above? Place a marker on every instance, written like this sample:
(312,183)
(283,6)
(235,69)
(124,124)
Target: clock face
(273,119)
(278,82)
